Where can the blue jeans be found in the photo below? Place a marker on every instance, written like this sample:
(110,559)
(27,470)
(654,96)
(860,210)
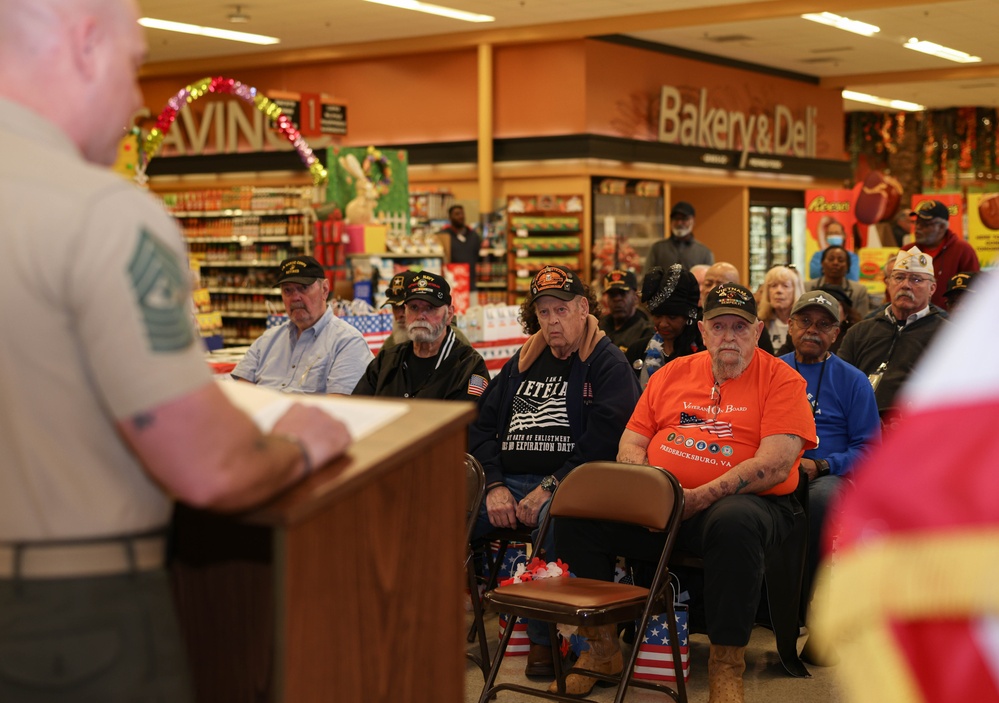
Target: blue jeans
(520,485)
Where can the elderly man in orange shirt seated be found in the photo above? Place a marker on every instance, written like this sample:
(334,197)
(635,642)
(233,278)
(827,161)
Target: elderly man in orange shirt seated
(731,424)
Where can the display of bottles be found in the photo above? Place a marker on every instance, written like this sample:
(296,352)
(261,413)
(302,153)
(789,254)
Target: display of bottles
(240,198)
(268,254)
(249,226)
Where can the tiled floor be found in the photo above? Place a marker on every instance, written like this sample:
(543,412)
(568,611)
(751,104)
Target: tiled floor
(765,680)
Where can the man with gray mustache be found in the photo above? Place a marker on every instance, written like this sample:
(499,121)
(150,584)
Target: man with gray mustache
(434,363)
(887,346)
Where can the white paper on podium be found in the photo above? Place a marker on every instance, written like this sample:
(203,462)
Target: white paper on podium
(266,405)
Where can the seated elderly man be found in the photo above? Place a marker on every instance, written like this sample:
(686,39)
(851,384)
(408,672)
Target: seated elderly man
(562,400)
(314,351)
(433,363)
(395,295)
(730,423)
(845,411)
(625,324)
(887,346)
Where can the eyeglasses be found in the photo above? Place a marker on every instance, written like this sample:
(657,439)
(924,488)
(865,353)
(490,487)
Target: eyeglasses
(822,326)
(914,279)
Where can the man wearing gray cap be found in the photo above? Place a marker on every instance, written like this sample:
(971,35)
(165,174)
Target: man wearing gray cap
(680,247)
(434,363)
(314,351)
(844,408)
(951,254)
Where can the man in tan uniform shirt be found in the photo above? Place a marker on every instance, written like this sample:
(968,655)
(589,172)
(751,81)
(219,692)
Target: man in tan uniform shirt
(107,409)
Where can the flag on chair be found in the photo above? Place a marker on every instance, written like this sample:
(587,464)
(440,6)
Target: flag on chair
(519,645)
(655,656)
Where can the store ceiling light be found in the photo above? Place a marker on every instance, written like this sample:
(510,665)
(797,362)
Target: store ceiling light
(844,23)
(436,10)
(882,102)
(943,52)
(212,32)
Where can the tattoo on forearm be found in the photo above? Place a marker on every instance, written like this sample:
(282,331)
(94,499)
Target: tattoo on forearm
(743,483)
(143,421)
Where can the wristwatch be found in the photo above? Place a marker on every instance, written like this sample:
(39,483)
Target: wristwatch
(549,483)
(821,467)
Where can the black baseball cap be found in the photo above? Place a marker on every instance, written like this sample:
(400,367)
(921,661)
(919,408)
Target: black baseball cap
(730,299)
(682,209)
(959,283)
(300,269)
(558,282)
(620,280)
(429,287)
(931,210)
(395,294)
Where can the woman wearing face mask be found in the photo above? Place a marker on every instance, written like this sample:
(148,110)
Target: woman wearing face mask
(673,299)
(834,263)
(832,233)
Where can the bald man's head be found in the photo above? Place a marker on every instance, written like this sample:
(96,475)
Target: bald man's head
(717,274)
(86,55)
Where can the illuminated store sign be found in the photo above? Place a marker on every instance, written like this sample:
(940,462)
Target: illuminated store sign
(701,124)
(228,127)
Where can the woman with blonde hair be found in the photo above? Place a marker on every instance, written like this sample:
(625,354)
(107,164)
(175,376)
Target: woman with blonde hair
(781,287)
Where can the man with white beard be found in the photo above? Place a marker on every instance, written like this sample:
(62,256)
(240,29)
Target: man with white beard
(680,247)
(434,363)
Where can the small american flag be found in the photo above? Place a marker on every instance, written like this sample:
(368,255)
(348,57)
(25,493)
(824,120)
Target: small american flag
(587,391)
(655,656)
(715,427)
(477,384)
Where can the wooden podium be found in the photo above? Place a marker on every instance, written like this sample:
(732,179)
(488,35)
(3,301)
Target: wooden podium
(346,588)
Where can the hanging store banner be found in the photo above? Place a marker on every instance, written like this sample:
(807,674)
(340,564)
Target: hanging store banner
(828,213)
(983,227)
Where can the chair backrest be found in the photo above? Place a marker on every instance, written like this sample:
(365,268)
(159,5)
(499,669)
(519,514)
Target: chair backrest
(608,490)
(475,485)
(630,493)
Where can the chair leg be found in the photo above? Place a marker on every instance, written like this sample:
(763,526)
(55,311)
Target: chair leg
(493,565)
(494,668)
(478,625)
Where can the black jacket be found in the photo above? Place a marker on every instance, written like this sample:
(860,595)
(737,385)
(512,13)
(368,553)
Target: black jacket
(868,343)
(386,375)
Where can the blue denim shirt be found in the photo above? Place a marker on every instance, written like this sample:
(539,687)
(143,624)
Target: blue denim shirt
(328,357)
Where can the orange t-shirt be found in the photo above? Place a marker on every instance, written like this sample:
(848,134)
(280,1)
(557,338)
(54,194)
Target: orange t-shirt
(697,437)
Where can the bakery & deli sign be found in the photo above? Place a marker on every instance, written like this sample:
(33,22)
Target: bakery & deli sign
(757,138)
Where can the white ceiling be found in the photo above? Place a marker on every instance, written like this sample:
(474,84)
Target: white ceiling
(765,32)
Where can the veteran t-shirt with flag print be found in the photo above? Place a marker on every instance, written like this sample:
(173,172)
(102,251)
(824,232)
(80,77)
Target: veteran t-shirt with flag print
(538,438)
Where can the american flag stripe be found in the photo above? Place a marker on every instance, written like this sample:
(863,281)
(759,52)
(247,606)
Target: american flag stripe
(477,384)
(550,413)
(519,644)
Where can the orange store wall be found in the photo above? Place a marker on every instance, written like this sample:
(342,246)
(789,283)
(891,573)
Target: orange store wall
(544,89)
(623,86)
(422,98)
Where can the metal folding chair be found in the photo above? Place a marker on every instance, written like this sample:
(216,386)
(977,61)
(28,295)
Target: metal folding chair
(609,491)
(475,479)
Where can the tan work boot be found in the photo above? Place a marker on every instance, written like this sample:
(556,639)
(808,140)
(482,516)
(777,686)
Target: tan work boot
(603,656)
(726,666)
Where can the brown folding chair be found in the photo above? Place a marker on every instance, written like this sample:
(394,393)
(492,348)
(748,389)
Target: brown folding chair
(608,491)
(475,478)
(783,573)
